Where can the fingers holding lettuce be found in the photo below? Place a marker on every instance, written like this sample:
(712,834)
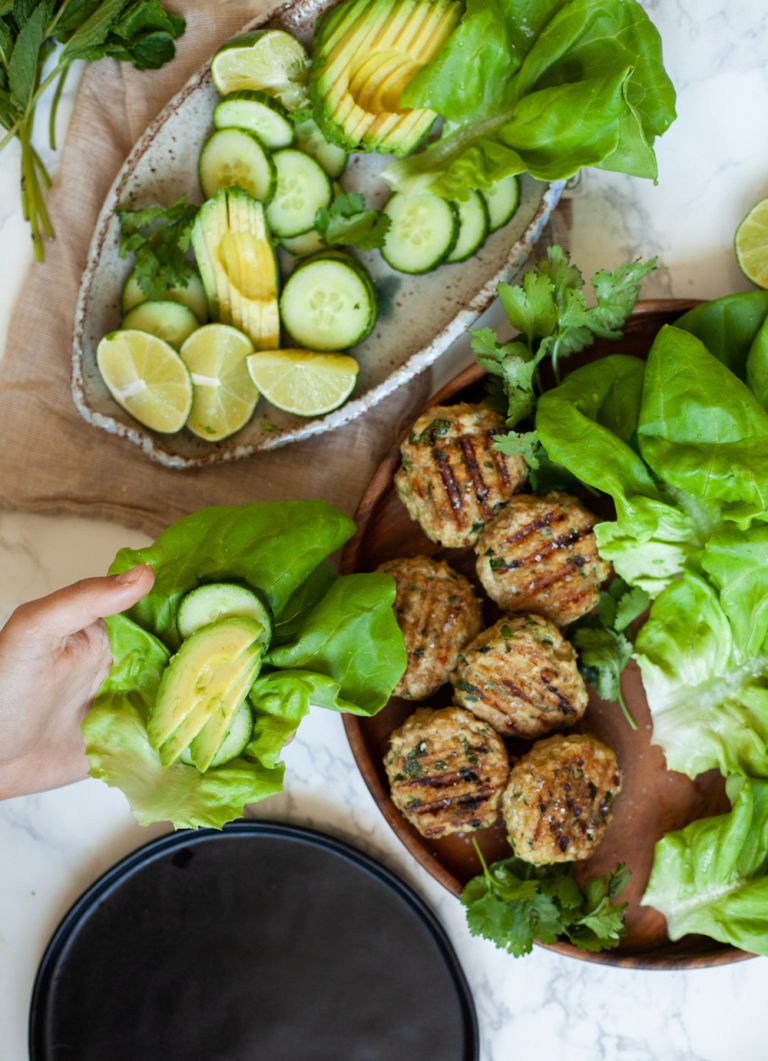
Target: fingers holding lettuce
(54,655)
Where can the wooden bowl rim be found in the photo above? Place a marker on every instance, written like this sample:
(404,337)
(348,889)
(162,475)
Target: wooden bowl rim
(667,958)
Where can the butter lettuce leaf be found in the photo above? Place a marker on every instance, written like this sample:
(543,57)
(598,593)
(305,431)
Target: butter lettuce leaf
(712,876)
(336,645)
(541,87)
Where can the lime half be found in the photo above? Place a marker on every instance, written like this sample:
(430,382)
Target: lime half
(223,395)
(751,244)
(265,60)
(147,377)
(302,382)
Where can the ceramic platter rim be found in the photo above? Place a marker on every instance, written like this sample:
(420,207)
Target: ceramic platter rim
(231,450)
(679,955)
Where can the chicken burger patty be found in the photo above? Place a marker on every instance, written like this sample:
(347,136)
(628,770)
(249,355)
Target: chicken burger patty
(439,614)
(447,771)
(540,555)
(452,480)
(521,677)
(558,803)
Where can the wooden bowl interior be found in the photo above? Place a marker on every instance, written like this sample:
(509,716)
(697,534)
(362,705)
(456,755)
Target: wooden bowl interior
(654,800)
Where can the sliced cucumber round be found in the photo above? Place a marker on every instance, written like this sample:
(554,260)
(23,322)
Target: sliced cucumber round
(234,743)
(329,303)
(234,158)
(502,200)
(422,234)
(473,227)
(171,321)
(221,600)
(257,113)
(332,158)
(303,187)
(302,246)
(193,295)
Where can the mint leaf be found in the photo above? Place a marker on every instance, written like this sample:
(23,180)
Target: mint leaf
(93,31)
(349,222)
(22,66)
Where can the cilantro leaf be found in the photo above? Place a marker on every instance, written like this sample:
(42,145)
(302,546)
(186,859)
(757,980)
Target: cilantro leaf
(348,221)
(603,656)
(512,903)
(159,238)
(549,310)
(632,604)
(523,444)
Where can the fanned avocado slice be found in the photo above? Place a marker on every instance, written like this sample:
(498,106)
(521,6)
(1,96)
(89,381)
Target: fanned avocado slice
(205,682)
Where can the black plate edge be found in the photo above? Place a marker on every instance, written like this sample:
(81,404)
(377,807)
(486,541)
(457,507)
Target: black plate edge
(184,838)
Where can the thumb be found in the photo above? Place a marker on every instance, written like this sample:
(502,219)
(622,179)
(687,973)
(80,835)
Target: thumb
(75,607)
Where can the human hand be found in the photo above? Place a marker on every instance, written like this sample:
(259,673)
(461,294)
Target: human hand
(54,655)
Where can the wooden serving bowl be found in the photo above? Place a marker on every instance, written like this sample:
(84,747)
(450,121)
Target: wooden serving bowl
(653,801)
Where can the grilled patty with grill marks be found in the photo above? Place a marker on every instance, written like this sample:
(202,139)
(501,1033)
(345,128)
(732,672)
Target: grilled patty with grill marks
(447,771)
(558,803)
(438,612)
(540,555)
(521,676)
(452,481)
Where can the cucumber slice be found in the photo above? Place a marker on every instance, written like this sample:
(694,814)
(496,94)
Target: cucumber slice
(234,743)
(329,303)
(257,113)
(473,227)
(221,600)
(423,232)
(502,200)
(332,158)
(192,295)
(234,158)
(303,187)
(168,320)
(302,246)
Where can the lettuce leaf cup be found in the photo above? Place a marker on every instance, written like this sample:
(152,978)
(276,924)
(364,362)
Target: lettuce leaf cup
(333,642)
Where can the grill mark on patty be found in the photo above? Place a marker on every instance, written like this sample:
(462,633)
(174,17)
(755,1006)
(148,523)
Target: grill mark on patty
(450,485)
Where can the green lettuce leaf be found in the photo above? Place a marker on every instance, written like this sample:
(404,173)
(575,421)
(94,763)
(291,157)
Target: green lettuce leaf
(544,87)
(351,636)
(120,754)
(273,546)
(336,644)
(728,326)
(710,877)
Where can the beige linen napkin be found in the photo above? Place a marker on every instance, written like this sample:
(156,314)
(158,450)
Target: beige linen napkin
(50,459)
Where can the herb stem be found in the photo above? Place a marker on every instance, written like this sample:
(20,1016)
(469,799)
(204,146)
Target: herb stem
(625,709)
(55,107)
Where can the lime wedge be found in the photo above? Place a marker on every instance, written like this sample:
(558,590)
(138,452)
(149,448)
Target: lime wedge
(751,244)
(302,382)
(147,377)
(223,396)
(265,60)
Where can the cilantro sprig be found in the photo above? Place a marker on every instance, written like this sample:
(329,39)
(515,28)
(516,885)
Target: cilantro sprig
(158,237)
(604,649)
(348,221)
(549,311)
(512,903)
(141,32)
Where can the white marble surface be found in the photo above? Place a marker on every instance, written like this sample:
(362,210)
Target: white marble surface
(714,165)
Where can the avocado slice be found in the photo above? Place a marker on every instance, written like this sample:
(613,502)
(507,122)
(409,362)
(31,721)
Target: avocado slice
(365,54)
(208,679)
(238,266)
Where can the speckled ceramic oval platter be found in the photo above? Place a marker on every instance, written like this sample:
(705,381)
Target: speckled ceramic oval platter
(419,315)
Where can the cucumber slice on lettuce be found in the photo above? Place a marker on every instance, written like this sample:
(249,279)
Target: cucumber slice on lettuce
(336,644)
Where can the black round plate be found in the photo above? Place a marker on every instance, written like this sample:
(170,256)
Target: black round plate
(263,941)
